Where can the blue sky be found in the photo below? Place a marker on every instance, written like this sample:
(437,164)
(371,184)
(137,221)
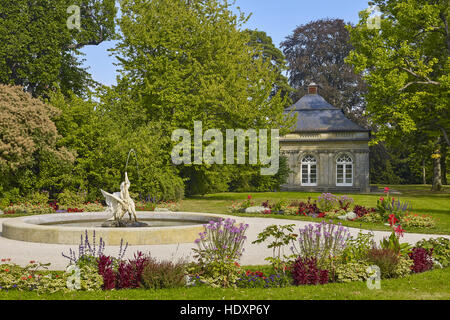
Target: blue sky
(278,18)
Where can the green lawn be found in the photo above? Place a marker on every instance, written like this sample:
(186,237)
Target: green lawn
(431,285)
(421,198)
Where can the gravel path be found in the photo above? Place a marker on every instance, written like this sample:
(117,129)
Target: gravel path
(21,252)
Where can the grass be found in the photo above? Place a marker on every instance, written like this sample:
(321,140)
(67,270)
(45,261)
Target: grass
(431,285)
(423,201)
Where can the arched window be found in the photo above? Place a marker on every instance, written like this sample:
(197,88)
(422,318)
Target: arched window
(344,170)
(309,171)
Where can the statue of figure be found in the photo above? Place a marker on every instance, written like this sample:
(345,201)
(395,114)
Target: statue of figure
(120,203)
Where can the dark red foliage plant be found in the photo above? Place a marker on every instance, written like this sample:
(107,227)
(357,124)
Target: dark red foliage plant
(422,259)
(361,211)
(127,275)
(105,269)
(305,271)
(308,208)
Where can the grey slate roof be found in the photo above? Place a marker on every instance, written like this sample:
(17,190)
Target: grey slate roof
(317,115)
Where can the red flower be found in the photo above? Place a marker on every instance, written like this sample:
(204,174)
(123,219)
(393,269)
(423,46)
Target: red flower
(381,199)
(29,277)
(32,261)
(249,197)
(7,270)
(321,215)
(386,190)
(392,220)
(399,231)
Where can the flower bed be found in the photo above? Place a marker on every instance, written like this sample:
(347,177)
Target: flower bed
(343,207)
(319,254)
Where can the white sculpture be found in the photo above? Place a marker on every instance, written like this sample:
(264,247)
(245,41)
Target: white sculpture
(120,203)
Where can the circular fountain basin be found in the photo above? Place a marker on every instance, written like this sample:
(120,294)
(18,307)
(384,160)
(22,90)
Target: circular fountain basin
(67,228)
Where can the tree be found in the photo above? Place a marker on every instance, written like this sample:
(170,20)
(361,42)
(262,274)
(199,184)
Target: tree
(265,46)
(406,64)
(101,130)
(316,52)
(185,61)
(28,140)
(38,50)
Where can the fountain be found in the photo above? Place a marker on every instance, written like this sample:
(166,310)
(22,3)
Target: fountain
(120,203)
(142,228)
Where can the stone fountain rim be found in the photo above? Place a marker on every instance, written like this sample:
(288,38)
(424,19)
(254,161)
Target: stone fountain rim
(28,229)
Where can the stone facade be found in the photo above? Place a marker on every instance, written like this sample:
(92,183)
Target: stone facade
(326,150)
(335,149)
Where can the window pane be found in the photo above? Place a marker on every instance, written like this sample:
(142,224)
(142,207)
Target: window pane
(348,173)
(304,174)
(340,173)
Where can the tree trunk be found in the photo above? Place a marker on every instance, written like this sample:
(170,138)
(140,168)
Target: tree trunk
(424,172)
(437,174)
(444,164)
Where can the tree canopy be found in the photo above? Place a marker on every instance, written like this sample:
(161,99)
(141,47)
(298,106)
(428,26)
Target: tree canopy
(38,50)
(316,52)
(406,65)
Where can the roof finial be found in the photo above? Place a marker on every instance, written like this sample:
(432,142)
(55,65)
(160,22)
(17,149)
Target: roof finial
(312,88)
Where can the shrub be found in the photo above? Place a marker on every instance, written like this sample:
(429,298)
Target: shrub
(34,277)
(419,221)
(403,267)
(282,236)
(371,217)
(218,273)
(163,274)
(440,247)
(327,202)
(222,240)
(306,272)
(386,259)
(37,198)
(105,269)
(322,241)
(335,214)
(358,248)
(129,273)
(345,202)
(361,211)
(351,271)
(308,209)
(422,260)
(71,199)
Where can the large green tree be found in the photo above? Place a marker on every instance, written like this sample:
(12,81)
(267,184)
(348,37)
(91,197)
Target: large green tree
(185,61)
(270,52)
(39,50)
(316,52)
(406,64)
